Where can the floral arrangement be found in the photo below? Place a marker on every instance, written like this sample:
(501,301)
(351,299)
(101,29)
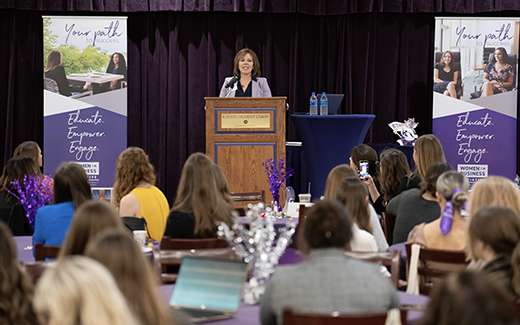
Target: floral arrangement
(262,245)
(276,176)
(35,193)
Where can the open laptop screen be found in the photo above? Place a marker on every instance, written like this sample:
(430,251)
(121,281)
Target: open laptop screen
(212,283)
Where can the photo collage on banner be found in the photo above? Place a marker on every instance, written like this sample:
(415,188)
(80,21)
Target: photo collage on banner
(474,94)
(85,95)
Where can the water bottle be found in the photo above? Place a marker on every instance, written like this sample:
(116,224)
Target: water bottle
(313,109)
(324,104)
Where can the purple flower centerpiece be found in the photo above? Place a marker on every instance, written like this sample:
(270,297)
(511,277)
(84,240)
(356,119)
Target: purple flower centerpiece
(276,176)
(35,193)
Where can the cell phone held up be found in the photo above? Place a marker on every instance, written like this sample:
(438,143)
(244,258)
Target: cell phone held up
(363,169)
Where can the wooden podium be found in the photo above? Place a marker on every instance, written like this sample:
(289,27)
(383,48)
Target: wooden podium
(243,132)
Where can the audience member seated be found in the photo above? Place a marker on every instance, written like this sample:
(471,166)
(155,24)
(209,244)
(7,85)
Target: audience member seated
(393,168)
(365,152)
(416,206)
(118,252)
(135,193)
(80,291)
(353,194)
(327,281)
(492,191)
(16,288)
(11,210)
(468,298)
(336,176)
(426,152)
(449,231)
(91,218)
(71,189)
(494,234)
(32,150)
(499,75)
(202,200)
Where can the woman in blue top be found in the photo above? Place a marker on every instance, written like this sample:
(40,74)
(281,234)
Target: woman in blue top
(71,189)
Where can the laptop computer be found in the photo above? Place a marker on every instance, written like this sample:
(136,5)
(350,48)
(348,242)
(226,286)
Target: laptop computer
(208,289)
(334,102)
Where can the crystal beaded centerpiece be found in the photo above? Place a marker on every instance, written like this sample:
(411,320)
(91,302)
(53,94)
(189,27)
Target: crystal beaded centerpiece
(259,245)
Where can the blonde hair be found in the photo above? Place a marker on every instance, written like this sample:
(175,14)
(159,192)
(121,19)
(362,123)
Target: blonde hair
(119,253)
(428,150)
(450,181)
(132,167)
(492,191)
(80,291)
(203,191)
(89,219)
(336,176)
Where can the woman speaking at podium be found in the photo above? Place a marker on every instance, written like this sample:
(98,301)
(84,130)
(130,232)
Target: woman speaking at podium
(246,81)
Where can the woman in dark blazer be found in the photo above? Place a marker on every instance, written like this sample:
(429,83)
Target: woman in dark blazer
(55,71)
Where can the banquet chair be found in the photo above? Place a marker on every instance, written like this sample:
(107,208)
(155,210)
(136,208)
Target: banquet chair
(166,262)
(388,224)
(392,259)
(169,257)
(41,252)
(291,318)
(435,264)
(200,243)
(246,198)
(35,269)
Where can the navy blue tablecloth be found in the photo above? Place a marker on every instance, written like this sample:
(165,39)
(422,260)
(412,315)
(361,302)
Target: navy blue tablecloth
(328,141)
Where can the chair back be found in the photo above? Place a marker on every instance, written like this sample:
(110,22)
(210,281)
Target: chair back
(51,85)
(41,252)
(388,224)
(290,318)
(392,259)
(200,243)
(35,269)
(485,55)
(435,264)
(166,262)
(168,259)
(243,199)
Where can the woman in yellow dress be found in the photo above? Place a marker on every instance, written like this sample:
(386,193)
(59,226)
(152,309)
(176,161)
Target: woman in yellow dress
(135,193)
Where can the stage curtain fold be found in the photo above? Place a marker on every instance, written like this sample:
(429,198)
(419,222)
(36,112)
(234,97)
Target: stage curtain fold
(312,7)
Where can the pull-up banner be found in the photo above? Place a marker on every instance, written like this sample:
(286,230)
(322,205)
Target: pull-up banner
(85,94)
(474,95)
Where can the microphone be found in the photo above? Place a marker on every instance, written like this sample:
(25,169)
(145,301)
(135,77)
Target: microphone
(232,81)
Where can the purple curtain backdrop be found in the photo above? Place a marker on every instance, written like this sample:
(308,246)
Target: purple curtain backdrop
(313,7)
(180,52)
